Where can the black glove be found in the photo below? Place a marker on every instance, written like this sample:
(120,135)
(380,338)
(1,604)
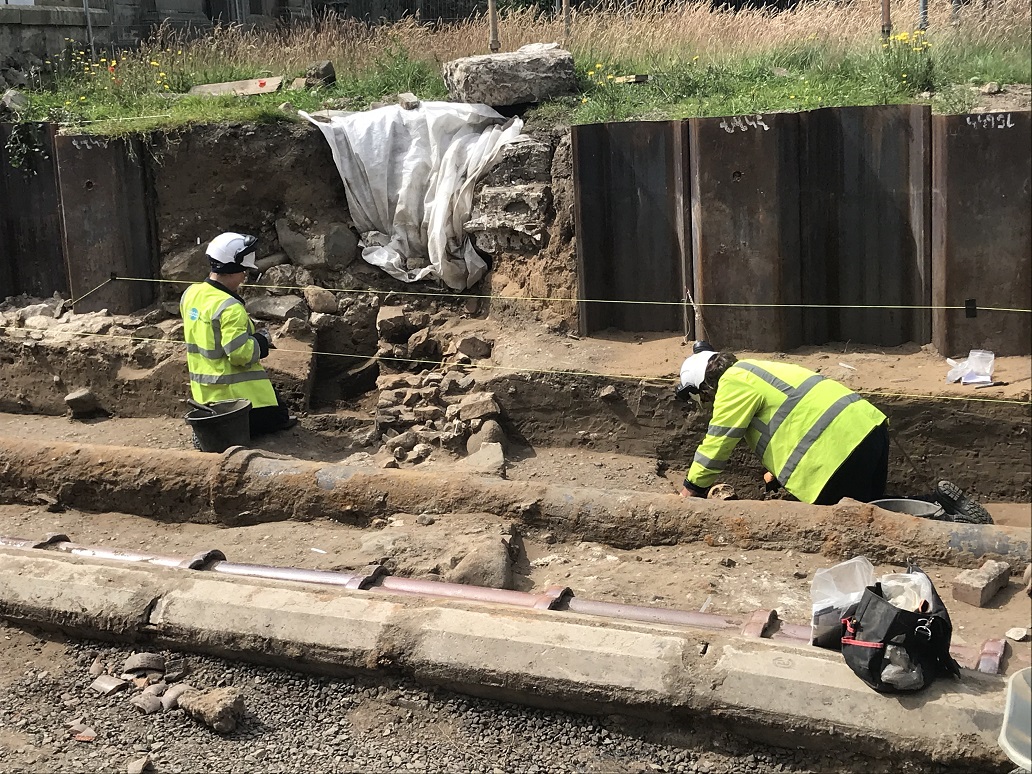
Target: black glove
(264,340)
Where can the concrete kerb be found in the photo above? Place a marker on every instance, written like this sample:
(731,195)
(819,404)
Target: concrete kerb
(248,486)
(786,695)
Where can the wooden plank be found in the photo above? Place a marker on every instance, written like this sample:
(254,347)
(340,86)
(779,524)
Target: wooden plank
(239,88)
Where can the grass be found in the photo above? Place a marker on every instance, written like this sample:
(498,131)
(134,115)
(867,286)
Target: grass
(701,62)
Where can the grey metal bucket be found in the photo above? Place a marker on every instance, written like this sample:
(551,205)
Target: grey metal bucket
(225,425)
(910,507)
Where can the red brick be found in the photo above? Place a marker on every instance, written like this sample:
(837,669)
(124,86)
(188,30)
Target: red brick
(977,587)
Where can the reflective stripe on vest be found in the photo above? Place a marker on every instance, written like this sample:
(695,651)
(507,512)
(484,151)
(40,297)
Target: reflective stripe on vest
(822,424)
(245,376)
(706,462)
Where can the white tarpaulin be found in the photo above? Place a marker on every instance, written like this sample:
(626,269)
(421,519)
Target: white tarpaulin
(409,177)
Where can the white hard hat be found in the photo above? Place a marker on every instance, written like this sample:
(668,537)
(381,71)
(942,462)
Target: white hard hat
(233,248)
(693,370)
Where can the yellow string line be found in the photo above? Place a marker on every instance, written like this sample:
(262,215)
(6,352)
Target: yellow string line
(514,369)
(102,284)
(553,299)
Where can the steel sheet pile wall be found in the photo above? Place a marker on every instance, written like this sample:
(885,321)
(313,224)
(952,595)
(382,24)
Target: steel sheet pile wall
(865,216)
(631,223)
(76,210)
(107,222)
(745,229)
(981,231)
(31,260)
(830,210)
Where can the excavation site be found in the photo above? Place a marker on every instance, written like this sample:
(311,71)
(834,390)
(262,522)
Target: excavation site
(420,437)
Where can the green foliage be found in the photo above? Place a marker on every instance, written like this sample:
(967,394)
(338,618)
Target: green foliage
(146,89)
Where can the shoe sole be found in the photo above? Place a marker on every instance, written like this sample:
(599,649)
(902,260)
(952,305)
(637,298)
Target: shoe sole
(971,512)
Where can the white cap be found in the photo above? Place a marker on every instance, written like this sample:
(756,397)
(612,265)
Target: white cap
(693,370)
(232,247)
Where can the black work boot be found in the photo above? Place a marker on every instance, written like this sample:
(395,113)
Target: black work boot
(959,506)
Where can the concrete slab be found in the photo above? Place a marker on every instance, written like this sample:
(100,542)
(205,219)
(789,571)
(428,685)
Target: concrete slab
(792,695)
(950,719)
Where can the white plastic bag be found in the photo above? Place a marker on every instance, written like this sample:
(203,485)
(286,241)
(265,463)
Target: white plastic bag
(906,590)
(832,591)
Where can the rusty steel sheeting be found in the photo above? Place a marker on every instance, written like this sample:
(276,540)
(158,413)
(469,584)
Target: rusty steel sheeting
(982,231)
(108,223)
(31,256)
(745,229)
(631,223)
(865,219)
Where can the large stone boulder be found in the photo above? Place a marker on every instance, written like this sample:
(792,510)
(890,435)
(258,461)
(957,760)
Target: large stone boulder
(188,265)
(533,73)
(327,246)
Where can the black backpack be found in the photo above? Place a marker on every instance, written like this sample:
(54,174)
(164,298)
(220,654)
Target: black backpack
(894,650)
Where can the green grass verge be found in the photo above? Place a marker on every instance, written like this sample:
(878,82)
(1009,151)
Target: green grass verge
(139,95)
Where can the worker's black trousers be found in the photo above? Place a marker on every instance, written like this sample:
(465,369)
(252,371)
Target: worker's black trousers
(269,419)
(864,473)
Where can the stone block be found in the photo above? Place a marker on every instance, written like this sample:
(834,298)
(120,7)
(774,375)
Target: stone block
(977,587)
(533,73)
(277,308)
(479,405)
(511,219)
(320,300)
(526,161)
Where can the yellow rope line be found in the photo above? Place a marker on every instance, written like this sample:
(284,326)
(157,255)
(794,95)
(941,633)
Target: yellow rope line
(556,372)
(102,284)
(554,299)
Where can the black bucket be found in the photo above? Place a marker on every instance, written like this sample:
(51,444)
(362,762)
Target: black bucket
(225,425)
(920,508)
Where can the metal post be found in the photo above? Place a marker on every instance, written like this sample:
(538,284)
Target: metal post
(89,29)
(886,20)
(922,14)
(566,23)
(492,15)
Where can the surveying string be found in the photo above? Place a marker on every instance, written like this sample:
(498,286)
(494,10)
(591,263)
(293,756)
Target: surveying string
(544,372)
(90,292)
(560,299)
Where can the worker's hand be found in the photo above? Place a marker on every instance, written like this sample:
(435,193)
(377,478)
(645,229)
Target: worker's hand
(771,484)
(264,339)
(686,492)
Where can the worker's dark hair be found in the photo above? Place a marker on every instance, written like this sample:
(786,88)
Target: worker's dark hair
(715,368)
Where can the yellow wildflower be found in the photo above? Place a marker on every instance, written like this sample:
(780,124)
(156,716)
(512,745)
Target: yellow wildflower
(155,64)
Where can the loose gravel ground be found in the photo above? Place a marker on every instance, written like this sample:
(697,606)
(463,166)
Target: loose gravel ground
(301,723)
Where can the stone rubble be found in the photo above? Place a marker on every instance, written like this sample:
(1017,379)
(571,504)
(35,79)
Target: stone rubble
(295,724)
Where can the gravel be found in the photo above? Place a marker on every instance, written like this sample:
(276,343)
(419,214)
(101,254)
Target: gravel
(303,723)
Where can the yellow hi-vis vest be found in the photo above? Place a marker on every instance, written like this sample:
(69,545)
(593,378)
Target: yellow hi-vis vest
(802,425)
(221,350)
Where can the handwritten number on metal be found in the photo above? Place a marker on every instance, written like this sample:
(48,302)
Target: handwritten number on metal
(743,123)
(991,121)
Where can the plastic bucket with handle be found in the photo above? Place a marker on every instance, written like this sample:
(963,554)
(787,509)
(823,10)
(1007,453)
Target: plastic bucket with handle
(221,424)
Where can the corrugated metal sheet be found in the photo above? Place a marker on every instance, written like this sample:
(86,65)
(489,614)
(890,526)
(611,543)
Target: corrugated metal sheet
(31,258)
(107,220)
(632,224)
(865,216)
(982,231)
(745,229)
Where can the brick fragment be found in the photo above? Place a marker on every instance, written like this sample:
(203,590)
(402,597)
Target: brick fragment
(977,587)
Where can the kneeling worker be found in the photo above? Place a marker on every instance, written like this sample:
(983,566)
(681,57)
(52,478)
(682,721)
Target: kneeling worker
(819,439)
(222,345)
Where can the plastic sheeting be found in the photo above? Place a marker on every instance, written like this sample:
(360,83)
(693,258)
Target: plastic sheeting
(409,177)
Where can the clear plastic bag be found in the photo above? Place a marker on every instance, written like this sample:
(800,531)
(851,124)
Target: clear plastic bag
(977,369)
(832,592)
(899,671)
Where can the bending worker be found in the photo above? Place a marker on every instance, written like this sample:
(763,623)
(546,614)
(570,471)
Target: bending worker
(818,439)
(223,348)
